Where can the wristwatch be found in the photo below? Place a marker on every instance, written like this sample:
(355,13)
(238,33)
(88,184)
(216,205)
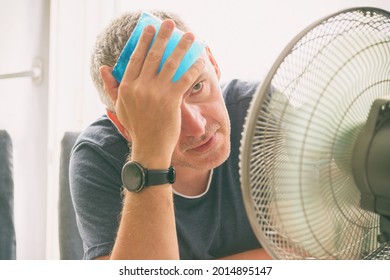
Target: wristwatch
(135,177)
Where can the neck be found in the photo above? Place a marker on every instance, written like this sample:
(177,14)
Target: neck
(191,182)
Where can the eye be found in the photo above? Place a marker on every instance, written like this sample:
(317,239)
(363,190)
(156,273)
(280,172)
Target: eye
(197,87)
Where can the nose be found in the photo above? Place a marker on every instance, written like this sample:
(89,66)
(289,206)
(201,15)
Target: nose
(193,122)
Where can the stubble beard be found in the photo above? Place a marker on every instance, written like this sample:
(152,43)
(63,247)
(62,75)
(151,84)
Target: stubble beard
(210,159)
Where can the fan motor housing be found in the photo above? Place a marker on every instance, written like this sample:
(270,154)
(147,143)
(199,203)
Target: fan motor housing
(371,159)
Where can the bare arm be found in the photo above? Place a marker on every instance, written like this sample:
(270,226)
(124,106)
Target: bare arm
(256,254)
(147,229)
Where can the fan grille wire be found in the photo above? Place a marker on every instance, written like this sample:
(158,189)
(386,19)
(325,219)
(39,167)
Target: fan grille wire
(382,253)
(299,137)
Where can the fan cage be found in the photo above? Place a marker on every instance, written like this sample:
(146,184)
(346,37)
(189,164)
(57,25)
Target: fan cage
(299,137)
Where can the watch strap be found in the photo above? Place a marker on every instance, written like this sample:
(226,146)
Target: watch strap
(159,177)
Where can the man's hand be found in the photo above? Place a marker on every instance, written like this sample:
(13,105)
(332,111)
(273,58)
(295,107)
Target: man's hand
(148,102)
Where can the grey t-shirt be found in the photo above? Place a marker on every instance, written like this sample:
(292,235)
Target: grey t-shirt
(209,226)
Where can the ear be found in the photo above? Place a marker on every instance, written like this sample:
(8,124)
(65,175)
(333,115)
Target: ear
(213,62)
(109,82)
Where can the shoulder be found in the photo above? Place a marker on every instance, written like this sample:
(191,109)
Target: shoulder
(102,133)
(238,95)
(237,91)
(101,139)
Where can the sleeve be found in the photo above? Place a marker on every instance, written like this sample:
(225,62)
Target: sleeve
(95,185)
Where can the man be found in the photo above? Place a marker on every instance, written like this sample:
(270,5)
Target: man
(157,126)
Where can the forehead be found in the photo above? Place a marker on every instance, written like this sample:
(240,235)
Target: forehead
(209,69)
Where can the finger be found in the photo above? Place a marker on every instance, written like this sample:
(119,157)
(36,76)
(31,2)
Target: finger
(137,58)
(155,54)
(189,78)
(173,61)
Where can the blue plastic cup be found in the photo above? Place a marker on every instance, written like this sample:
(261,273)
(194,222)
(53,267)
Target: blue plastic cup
(148,19)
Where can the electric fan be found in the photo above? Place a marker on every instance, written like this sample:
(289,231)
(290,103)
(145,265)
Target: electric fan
(315,150)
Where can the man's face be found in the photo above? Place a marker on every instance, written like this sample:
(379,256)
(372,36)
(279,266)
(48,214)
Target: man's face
(204,141)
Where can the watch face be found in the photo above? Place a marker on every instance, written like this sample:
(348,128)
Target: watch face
(133,177)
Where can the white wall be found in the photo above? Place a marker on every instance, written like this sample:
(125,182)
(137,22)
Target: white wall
(24,31)
(245,36)
(73,102)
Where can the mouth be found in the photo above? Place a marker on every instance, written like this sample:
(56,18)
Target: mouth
(206,145)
